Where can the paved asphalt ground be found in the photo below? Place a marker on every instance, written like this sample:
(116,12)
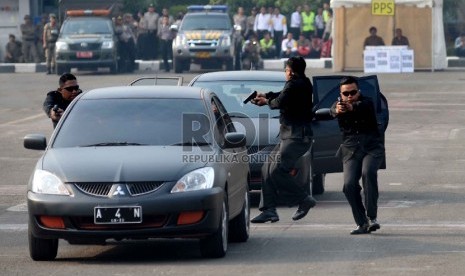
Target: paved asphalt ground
(422,197)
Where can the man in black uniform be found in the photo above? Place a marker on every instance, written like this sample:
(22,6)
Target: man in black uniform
(362,152)
(295,105)
(57,101)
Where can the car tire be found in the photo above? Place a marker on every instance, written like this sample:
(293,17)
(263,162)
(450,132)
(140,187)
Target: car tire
(114,68)
(318,184)
(42,249)
(177,66)
(216,245)
(230,64)
(239,227)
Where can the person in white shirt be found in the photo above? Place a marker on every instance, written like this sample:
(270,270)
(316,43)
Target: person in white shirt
(288,47)
(319,23)
(296,22)
(279,26)
(262,23)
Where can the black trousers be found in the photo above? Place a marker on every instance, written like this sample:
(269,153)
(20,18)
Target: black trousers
(277,180)
(165,49)
(364,166)
(278,39)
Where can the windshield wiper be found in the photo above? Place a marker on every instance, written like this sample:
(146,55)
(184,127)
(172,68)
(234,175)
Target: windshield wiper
(198,144)
(112,144)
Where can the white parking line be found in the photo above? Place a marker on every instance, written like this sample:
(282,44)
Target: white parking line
(13,227)
(18,208)
(22,120)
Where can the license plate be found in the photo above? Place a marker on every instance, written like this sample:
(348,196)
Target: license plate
(118,215)
(202,55)
(84,54)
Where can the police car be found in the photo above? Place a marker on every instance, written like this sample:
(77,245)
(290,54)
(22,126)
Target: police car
(87,41)
(206,37)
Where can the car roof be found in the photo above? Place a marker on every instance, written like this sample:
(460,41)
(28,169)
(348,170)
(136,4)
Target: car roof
(150,91)
(242,75)
(87,17)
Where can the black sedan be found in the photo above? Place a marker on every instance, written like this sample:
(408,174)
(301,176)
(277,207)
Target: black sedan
(262,124)
(140,162)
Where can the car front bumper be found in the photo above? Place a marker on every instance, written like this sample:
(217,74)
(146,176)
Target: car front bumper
(161,212)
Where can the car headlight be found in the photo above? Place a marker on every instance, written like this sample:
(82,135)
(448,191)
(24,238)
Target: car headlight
(225,41)
(45,182)
(200,179)
(108,44)
(180,40)
(61,46)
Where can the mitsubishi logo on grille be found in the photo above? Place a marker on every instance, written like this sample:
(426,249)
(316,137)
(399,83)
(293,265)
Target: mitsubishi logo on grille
(118,191)
(84,44)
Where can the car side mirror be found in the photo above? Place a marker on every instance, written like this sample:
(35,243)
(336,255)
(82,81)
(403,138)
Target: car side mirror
(35,141)
(323,114)
(234,140)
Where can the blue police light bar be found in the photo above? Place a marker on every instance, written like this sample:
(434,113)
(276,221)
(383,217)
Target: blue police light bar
(207,8)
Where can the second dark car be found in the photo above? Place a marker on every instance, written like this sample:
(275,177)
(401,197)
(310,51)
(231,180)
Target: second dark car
(262,124)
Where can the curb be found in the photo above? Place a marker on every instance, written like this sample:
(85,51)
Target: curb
(157,65)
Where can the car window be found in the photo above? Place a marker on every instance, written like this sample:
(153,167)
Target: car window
(134,121)
(205,22)
(233,93)
(174,81)
(87,26)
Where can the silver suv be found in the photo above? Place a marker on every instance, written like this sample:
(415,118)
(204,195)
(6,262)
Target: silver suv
(206,37)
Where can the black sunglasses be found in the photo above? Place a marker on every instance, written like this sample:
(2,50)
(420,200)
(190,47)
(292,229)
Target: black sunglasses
(351,93)
(72,88)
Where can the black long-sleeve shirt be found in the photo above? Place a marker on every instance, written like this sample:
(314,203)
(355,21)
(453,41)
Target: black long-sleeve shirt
(295,103)
(359,129)
(54,98)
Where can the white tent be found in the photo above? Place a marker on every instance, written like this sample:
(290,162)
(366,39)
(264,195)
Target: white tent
(420,20)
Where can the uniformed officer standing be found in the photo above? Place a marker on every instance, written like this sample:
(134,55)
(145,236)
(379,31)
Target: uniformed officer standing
(50,36)
(362,152)
(151,21)
(308,22)
(28,36)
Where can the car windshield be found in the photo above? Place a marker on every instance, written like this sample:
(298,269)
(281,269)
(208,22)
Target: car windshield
(205,22)
(133,122)
(87,26)
(233,93)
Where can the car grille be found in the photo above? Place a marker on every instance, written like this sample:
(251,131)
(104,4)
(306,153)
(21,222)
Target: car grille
(103,189)
(84,46)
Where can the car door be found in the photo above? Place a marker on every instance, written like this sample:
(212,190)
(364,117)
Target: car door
(233,158)
(327,136)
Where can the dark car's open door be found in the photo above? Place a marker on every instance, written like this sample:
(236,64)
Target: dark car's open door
(174,81)
(327,135)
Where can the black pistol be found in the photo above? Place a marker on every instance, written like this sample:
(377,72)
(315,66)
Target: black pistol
(253,95)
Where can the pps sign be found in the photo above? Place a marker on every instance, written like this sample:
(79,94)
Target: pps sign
(382,7)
